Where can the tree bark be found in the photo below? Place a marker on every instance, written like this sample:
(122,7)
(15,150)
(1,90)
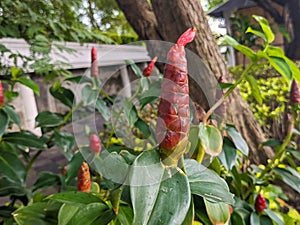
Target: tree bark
(171,19)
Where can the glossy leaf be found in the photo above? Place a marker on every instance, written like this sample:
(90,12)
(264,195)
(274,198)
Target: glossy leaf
(143,127)
(29,83)
(12,167)
(207,183)
(257,33)
(289,176)
(254,219)
(130,112)
(265,220)
(218,212)
(73,167)
(125,216)
(228,156)
(189,218)
(238,140)
(25,138)
(65,141)
(236,219)
(48,119)
(135,68)
(4,120)
(281,66)
(275,217)
(265,27)
(76,198)
(64,95)
(294,68)
(9,187)
(66,213)
(13,115)
(254,88)
(89,95)
(151,94)
(103,109)
(41,213)
(241,48)
(210,139)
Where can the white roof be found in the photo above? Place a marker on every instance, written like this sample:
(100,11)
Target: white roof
(108,55)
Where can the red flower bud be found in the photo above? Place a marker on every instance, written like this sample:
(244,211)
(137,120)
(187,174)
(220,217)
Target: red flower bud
(187,37)
(95,144)
(148,70)
(84,178)
(64,171)
(295,93)
(1,95)
(94,66)
(260,203)
(230,209)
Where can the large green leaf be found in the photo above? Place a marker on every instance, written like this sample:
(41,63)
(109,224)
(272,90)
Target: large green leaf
(135,68)
(281,66)
(254,219)
(189,218)
(210,139)
(4,119)
(64,95)
(9,187)
(218,212)
(236,219)
(12,167)
(228,156)
(76,198)
(46,179)
(65,141)
(25,138)
(256,32)
(49,119)
(29,83)
(274,216)
(66,213)
(289,176)
(130,112)
(125,216)
(41,213)
(102,107)
(165,193)
(73,166)
(13,115)
(242,48)
(207,183)
(89,95)
(238,140)
(263,22)
(255,91)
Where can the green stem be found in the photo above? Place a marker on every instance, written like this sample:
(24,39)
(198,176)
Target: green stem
(34,158)
(181,164)
(228,92)
(103,93)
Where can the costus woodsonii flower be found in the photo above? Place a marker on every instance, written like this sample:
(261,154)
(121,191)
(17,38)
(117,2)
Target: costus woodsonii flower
(148,70)
(95,144)
(94,65)
(84,178)
(260,203)
(173,121)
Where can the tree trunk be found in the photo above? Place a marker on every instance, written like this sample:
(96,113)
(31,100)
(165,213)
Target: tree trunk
(171,18)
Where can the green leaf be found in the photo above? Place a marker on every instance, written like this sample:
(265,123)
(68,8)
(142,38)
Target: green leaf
(12,167)
(210,139)
(294,68)
(143,127)
(135,68)
(64,95)
(256,32)
(289,176)
(130,112)
(73,166)
(237,139)
(125,216)
(254,88)
(94,213)
(218,213)
(76,198)
(41,213)
(265,220)
(237,219)
(265,27)
(228,156)
(49,119)
(13,115)
(66,213)
(10,95)
(254,219)
(15,72)
(9,187)
(29,83)
(275,217)
(151,94)
(189,218)
(207,183)
(275,51)
(242,48)
(65,141)
(281,66)
(4,120)
(89,95)
(46,179)
(102,107)
(25,138)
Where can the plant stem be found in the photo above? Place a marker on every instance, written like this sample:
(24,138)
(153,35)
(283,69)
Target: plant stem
(181,164)
(228,92)
(34,158)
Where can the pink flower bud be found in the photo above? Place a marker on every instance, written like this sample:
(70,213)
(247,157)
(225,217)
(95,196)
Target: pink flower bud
(95,143)
(94,66)
(148,70)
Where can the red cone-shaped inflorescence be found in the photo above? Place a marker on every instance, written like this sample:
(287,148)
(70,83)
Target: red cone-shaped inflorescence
(173,121)
(94,66)
(84,178)
(260,203)
(1,95)
(295,93)
(95,144)
(148,70)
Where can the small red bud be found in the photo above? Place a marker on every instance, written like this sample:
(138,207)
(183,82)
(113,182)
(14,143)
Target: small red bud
(1,95)
(230,209)
(295,93)
(94,66)
(64,171)
(148,70)
(84,178)
(260,203)
(95,143)
(187,37)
